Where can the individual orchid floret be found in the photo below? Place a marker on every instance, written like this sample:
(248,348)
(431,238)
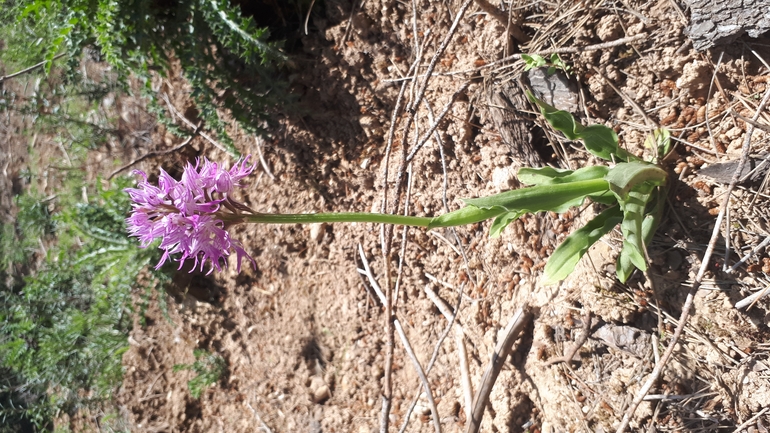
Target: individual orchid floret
(188,215)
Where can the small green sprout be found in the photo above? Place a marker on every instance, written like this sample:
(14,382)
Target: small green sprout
(532,61)
(209,368)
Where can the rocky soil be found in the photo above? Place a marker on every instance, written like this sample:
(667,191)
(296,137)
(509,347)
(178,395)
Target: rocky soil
(305,337)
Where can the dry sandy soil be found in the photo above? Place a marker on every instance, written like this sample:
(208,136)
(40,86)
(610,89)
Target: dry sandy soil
(305,337)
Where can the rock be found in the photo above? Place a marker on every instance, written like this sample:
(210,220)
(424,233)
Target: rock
(319,390)
(321,394)
(723,171)
(317,231)
(722,22)
(554,89)
(695,76)
(609,28)
(626,338)
(503,177)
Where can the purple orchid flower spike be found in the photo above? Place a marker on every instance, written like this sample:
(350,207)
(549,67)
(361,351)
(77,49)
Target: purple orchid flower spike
(192,215)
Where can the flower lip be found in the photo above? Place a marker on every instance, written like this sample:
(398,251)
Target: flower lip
(191,215)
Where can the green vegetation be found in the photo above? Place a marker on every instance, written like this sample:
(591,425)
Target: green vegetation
(209,368)
(64,325)
(636,193)
(553,62)
(67,270)
(228,60)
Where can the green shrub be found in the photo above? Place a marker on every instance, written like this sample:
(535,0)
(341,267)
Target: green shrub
(63,332)
(227,59)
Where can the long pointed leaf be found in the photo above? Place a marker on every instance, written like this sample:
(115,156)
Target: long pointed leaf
(501,222)
(598,139)
(550,175)
(556,198)
(633,252)
(650,223)
(567,255)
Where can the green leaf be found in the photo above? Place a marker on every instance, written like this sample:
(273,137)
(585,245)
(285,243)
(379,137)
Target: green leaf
(598,139)
(550,175)
(633,252)
(606,198)
(502,221)
(556,198)
(627,175)
(560,120)
(465,215)
(541,175)
(567,255)
(603,142)
(633,184)
(532,61)
(650,223)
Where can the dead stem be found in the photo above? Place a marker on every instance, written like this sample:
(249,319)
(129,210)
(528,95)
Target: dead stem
(512,28)
(387,230)
(387,391)
(520,318)
(517,56)
(189,123)
(412,109)
(157,153)
(434,357)
(421,374)
(585,331)
(31,68)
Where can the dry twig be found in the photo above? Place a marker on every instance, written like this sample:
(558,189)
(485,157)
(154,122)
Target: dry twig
(412,109)
(189,123)
(513,29)
(262,160)
(751,420)
(629,101)
(751,299)
(517,56)
(387,392)
(387,230)
(157,153)
(262,426)
(421,373)
(434,357)
(511,333)
(31,68)
(434,124)
(465,377)
(368,272)
(586,329)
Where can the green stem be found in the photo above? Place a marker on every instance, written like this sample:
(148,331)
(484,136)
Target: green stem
(532,199)
(341,217)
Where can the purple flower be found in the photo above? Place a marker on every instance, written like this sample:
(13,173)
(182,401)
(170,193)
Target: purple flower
(191,216)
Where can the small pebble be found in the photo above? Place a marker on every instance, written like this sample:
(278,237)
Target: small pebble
(317,231)
(321,394)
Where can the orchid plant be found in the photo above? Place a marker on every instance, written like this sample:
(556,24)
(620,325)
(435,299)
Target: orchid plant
(192,216)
